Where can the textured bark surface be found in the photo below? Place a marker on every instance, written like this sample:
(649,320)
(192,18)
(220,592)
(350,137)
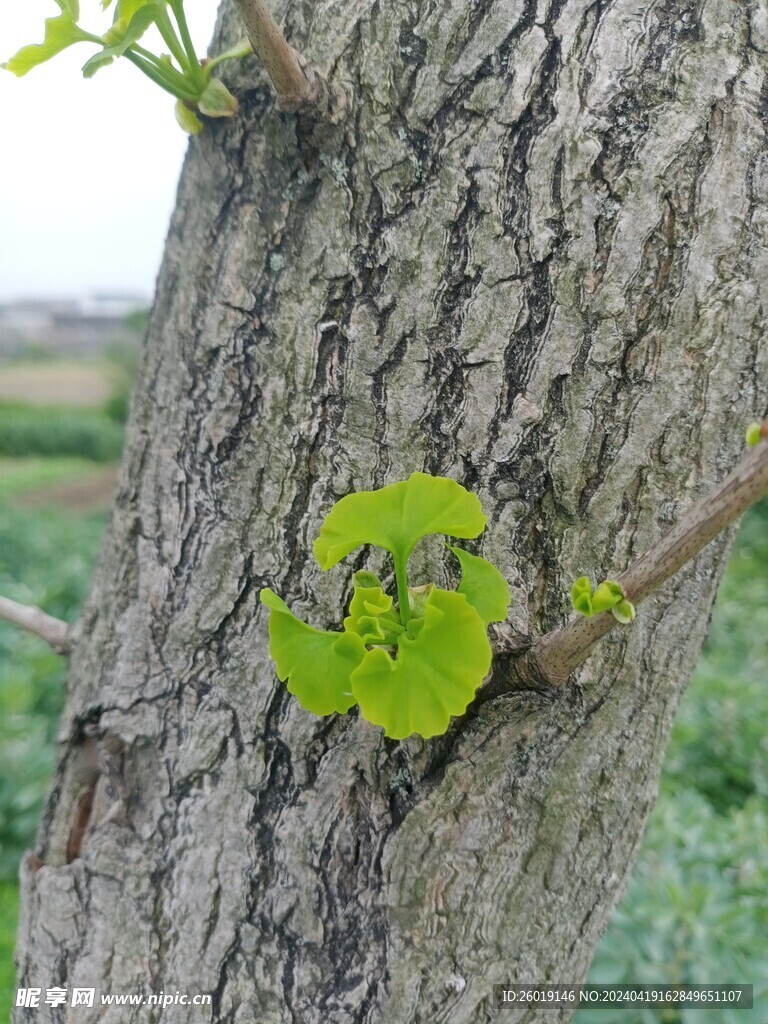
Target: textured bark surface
(528,252)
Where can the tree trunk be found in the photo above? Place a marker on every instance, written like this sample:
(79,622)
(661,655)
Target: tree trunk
(527,250)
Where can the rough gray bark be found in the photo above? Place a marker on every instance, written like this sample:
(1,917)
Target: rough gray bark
(529,251)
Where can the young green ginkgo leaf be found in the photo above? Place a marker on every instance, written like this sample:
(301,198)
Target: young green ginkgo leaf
(435,674)
(69,7)
(188,119)
(217,101)
(483,586)
(60,32)
(123,34)
(364,578)
(581,596)
(127,8)
(242,48)
(607,596)
(371,616)
(753,434)
(316,664)
(397,516)
(624,612)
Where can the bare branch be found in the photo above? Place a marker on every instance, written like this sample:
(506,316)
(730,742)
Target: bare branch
(295,82)
(555,656)
(34,620)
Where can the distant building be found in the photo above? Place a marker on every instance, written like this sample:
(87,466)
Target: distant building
(83,326)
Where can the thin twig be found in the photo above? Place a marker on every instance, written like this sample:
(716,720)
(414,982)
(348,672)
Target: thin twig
(34,620)
(557,654)
(295,82)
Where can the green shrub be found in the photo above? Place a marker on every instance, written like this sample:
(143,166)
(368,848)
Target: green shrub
(26,430)
(696,909)
(9,912)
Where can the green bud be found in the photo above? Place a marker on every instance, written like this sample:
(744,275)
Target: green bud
(188,119)
(624,612)
(217,101)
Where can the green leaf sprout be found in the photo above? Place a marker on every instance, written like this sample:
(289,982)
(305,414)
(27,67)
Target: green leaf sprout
(757,432)
(179,72)
(409,664)
(608,597)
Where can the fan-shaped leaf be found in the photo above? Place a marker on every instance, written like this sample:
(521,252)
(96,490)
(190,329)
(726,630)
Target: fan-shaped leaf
(397,516)
(435,674)
(316,664)
(483,586)
(60,32)
(127,8)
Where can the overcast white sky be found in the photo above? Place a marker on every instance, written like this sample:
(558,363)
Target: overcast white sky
(88,168)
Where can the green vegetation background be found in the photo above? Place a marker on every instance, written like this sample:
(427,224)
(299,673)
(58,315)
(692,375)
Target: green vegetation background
(697,906)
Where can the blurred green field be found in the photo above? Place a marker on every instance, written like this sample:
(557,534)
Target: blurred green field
(697,906)
(26,476)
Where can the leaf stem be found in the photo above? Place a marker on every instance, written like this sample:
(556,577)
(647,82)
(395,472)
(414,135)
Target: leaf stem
(167,78)
(171,40)
(239,50)
(177,6)
(401,578)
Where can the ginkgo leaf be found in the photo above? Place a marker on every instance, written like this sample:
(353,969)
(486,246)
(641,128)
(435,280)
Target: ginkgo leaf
(483,586)
(754,434)
(607,596)
(372,617)
(127,8)
(435,674)
(364,578)
(70,7)
(122,35)
(317,665)
(581,596)
(624,612)
(397,516)
(188,119)
(60,32)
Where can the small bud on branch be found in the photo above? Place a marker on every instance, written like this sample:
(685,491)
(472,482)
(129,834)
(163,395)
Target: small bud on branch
(556,655)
